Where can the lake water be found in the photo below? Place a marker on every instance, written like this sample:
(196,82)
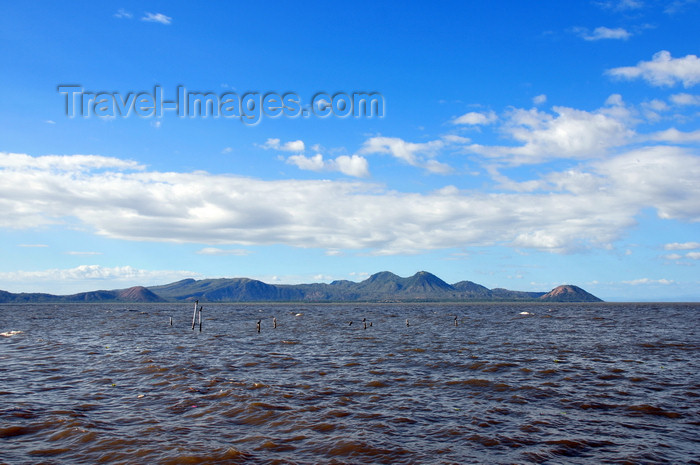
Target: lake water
(561,383)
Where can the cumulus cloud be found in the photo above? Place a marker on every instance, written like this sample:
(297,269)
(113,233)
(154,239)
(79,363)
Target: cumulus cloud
(79,274)
(65,162)
(568,133)
(588,207)
(474,118)
(315,163)
(675,136)
(296,146)
(603,32)
(419,154)
(351,165)
(656,168)
(683,99)
(354,165)
(662,70)
(157,18)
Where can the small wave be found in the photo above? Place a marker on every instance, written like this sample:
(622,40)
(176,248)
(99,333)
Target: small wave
(646,409)
(475,382)
(377,384)
(13,431)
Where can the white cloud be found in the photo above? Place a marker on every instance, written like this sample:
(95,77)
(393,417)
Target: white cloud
(157,18)
(32,245)
(296,146)
(588,207)
(570,133)
(398,148)
(73,252)
(656,105)
(620,5)
(661,177)
(676,6)
(354,165)
(50,121)
(226,150)
(603,32)
(218,251)
(315,163)
(415,154)
(636,282)
(455,139)
(675,136)
(474,118)
(685,99)
(682,246)
(539,99)
(651,109)
(693,255)
(10,161)
(663,70)
(673,256)
(436,167)
(123,14)
(118,275)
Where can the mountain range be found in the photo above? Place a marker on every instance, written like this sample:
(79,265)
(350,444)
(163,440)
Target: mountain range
(380,287)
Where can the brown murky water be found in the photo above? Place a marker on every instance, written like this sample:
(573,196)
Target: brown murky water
(570,383)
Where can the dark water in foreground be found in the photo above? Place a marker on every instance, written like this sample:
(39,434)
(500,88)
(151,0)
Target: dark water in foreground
(572,383)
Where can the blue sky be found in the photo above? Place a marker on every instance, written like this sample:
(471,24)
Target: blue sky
(522,145)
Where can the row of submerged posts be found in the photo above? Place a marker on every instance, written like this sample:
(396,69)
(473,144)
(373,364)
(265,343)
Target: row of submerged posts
(197,317)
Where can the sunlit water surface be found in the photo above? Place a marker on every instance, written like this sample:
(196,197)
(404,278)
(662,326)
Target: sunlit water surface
(510,383)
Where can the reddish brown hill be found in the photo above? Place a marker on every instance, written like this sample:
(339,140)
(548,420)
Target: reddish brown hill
(138,294)
(569,293)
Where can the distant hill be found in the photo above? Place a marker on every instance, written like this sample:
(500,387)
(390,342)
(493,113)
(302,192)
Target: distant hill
(380,287)
(568,293)
(132,294)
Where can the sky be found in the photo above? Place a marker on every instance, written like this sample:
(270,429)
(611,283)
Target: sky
(515,144)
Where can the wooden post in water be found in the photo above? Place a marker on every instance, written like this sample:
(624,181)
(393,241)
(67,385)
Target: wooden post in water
(364,322)
(194,315)
(259,325)
(455,320)
(200,318)
(171,321)
(274,322)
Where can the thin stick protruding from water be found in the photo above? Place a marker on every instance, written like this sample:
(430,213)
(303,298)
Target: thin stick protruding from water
(194,315)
